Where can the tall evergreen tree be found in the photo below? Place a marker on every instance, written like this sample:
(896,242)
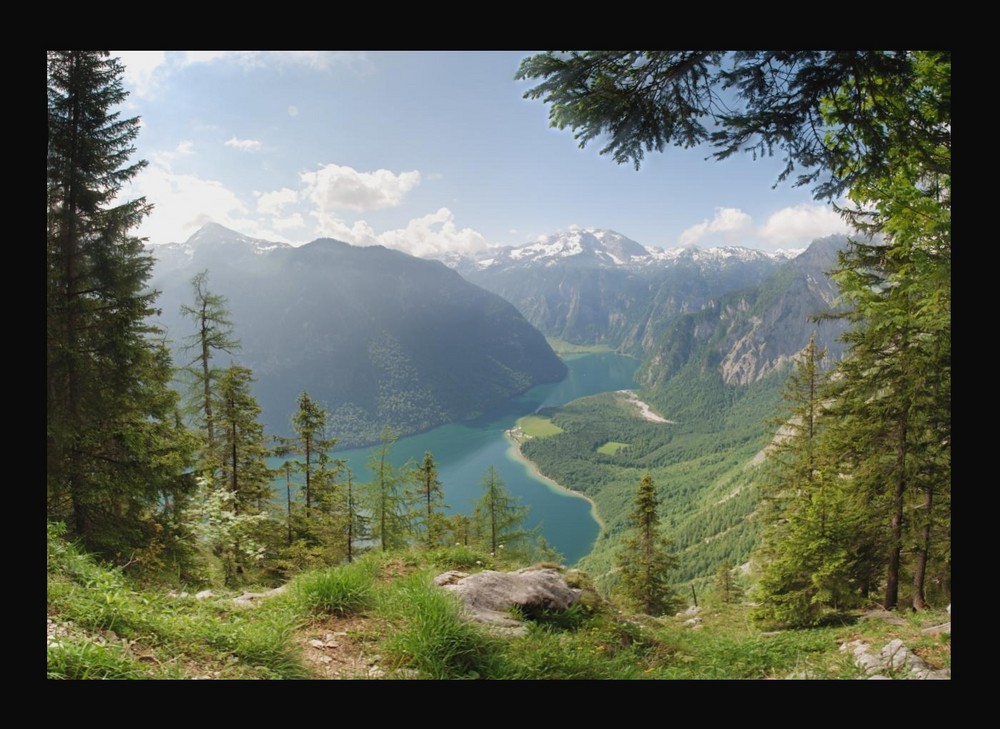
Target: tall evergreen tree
(645,560)
(428,502)
(498,515)
(386,497)
(242,446)
(115,451)
(214,334)
(313,444)
(875,125)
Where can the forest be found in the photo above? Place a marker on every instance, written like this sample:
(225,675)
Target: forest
(171,485)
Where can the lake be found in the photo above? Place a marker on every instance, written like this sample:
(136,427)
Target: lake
(465,450)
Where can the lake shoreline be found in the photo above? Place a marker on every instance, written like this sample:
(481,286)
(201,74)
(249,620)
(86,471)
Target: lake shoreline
(517,455)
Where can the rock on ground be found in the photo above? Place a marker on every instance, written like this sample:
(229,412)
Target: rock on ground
(490,596)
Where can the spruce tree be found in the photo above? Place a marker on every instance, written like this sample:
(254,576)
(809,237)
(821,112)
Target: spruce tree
(312,443)
(115,451)
(645,560)
(810,554)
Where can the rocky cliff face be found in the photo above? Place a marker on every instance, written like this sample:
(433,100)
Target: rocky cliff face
(749,334)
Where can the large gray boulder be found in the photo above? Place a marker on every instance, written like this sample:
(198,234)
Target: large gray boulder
(490,597)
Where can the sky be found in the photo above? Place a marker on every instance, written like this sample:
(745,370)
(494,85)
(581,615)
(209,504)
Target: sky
(427,152)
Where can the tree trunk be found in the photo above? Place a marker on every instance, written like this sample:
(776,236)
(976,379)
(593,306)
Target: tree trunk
(923,551)
(896,527)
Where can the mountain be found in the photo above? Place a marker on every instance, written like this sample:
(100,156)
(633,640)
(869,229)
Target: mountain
(590,286)
(378,336)
(745,335)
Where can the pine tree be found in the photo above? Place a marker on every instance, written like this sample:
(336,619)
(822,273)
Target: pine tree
(645,560)
(498,516)
(810,553)
(214,334)
(428,502)
(313,443)
(386,497)
(115,453)
(242,446)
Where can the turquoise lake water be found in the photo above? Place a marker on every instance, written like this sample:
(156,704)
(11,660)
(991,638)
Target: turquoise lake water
(465,450)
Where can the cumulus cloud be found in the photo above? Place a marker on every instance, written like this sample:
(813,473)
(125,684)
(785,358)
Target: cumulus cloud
(183,203)
(433,234)
(429,235)
(330,226)
(801,224)
(143,69)
(335,187)
(730,224)
(244,145)
(271,203)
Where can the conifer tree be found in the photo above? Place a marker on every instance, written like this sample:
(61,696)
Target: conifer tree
(810,552)
(313,443)
(242,446)
(115,453)
(215,334)
(428,502)
(386,497)
(498,515)
(645,560)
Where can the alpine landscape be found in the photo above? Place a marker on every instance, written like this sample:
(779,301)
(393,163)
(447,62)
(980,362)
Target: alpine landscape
(298,427)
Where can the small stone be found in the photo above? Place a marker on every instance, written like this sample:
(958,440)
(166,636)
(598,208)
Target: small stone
(325,659)
(204,595)
(317,643)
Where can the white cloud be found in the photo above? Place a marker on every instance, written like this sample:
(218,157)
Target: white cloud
(729,224)
(317,60)
(335,187)
(143,69)
(432,234)
(190,57)
(244,145)
(183,203)
(185,148)
(801,225)
(289,223)
(271,203)
(330,226)
(293,110)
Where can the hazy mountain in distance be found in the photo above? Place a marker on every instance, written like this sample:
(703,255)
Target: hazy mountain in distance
(378,336)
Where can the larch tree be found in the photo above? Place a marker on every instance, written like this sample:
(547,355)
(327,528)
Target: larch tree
(428,502)
(214,334)
(646,560)
(385,497)
(498,516)
(115,452)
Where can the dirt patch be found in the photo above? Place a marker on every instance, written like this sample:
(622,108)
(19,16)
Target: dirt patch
(340,648)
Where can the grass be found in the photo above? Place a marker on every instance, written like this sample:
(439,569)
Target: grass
(345,590)
(537,426)
(389,607)
(612,447)
(561,346)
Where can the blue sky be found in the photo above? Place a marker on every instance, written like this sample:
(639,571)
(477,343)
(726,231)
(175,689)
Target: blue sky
(422,151)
